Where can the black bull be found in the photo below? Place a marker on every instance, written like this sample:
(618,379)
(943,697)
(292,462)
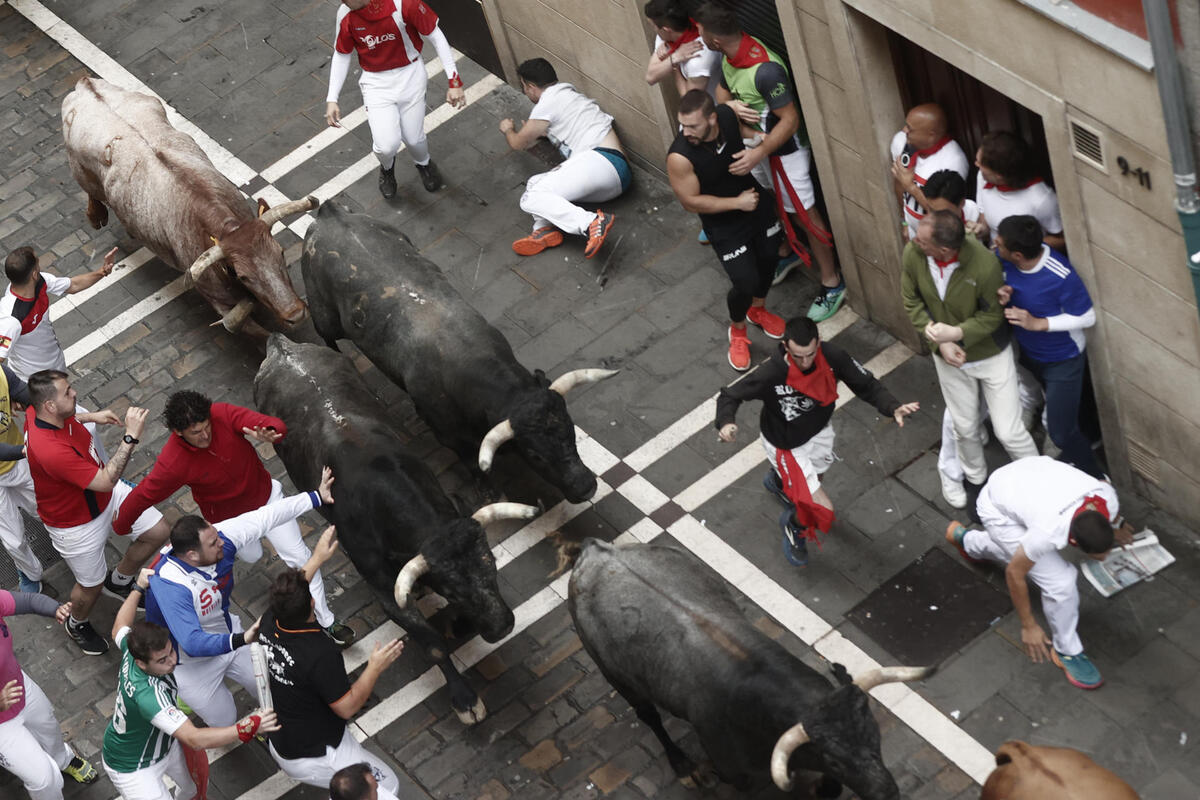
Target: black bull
(367,283)
(666,634)
(393,519)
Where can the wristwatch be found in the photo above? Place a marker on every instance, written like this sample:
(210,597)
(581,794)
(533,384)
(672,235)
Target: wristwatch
(127,439)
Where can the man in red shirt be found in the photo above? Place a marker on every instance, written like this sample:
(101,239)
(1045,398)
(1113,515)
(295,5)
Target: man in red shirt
(387,35)
(209,452)
(78,493)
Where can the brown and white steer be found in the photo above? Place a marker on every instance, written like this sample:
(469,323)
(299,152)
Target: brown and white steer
(1026,772)
(161,185)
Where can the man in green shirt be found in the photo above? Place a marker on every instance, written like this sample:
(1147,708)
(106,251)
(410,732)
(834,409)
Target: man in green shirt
(139,743)
(755,83)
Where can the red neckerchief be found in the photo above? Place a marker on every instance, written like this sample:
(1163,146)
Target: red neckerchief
(1000,187)
(691,33)
(819,383)
(812,517)
(941,265)
(928,151)
(1097,503)
(749,53)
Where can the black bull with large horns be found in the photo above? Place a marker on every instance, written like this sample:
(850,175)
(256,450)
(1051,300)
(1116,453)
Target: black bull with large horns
(666,634)
(393,519)
(126,155)
(367,283)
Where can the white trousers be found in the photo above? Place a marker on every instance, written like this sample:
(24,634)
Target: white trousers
(1031,398)
(16,493)
(290,546)
(32,746)
(996,377)
(202,684)
(318,770)
(814,457)
(147,783)
(1055,576)
(395,103)
(586,177)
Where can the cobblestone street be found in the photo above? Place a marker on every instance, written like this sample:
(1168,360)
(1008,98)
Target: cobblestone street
(253,77)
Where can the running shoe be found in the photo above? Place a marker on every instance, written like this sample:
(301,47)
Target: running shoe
(952,491)
(773,484)
(703,237)
(1080,670)
(827,302)
(772,324)
(954,535)
(784,267)
(84,635)
(341,633)
(116,590)
(81,770)
(538,241)
(387,182)
(795,548)
(739,349)
(27,584)
(597,232)
(431,178)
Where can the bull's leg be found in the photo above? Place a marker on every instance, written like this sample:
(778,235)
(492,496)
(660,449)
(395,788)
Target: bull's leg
(97,213)
(684,768)
(463,699)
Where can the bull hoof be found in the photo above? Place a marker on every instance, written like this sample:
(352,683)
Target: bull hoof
(473,715)
(97,214)
(705,777)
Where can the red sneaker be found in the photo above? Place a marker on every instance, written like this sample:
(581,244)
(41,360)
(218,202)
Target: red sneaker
(739,349)
(597,232)
(538,241)
(772,324)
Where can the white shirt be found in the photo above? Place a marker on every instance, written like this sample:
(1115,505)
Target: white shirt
(1041,495)
(949,156)
(27,338)
(941,275)
(576,122)
(1037,200)
(705,64)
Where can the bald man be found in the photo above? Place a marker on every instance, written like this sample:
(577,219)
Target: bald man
(922,148)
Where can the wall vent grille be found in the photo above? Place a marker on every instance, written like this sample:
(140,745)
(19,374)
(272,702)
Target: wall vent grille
(1143,461)
(1088,144)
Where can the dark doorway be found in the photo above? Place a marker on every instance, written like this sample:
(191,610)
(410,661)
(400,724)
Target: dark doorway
(973,107)
(466,28)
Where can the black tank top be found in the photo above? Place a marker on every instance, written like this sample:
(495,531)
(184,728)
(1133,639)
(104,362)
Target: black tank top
(710,161)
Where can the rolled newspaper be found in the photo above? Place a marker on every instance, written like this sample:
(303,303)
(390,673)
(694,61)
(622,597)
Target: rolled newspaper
(261,675)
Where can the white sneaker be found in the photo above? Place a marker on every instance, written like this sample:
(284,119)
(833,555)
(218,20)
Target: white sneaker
(953,492)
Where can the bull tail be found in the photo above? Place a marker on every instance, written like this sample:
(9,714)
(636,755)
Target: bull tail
(568,551)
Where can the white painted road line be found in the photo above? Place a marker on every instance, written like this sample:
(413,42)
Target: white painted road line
(123,269)
(125,320)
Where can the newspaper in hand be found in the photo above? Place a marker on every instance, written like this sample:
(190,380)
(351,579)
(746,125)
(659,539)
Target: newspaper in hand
(258,656)
(1126,566)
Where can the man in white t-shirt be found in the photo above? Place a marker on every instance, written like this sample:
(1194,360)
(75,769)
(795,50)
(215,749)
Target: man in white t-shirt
(27,339)
(1008,185)
(1031,509)
(920,149)
(595,169)
(679,52)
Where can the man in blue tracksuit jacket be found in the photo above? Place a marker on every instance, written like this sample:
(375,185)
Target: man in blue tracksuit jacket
(189,595)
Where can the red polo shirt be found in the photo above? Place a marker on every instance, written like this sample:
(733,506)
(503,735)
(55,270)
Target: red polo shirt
(226,478)
(386,37)
(63,462)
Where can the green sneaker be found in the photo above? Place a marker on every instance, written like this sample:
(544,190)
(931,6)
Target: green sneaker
(827,302)
(1080,670)
(341,633)
(81,770)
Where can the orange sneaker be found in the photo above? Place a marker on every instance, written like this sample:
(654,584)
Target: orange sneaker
(739,349)
(772,324)
(597,232)
(538,241)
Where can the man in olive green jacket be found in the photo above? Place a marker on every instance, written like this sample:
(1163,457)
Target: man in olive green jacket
(949,282)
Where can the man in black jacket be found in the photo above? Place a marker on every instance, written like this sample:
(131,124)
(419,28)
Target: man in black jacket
(798,387)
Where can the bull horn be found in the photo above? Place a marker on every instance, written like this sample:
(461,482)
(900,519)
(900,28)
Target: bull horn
(234,318)
(875,677)
(276,213)
(499,511)
(412,572)
(491,443)
(565,383)
(792,738)
(209,257)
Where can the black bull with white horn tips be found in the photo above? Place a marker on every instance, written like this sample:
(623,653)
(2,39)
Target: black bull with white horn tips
(666,633)
(394,521)
(367,283)
(128,157)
